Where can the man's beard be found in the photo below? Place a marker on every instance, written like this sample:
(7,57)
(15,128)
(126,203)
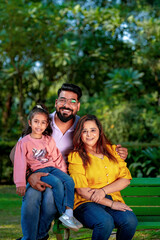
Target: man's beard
(64,118)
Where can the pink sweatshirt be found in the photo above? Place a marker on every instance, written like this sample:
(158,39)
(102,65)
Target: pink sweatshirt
(36,154)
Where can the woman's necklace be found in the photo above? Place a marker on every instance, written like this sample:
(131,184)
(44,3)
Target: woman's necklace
(99,155)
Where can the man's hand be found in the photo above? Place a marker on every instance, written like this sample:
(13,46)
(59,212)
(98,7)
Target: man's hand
(21,190)
(122,152)
(36,183)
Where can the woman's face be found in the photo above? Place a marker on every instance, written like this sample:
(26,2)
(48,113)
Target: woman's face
(90,134)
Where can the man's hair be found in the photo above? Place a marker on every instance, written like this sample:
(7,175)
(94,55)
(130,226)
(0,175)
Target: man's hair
(71,87)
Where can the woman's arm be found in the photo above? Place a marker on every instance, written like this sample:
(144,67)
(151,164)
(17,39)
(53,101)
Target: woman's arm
(88,192)
(116,186)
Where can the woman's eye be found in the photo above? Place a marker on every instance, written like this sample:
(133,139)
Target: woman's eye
(93,130)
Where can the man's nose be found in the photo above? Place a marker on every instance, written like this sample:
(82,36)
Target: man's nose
(66,103)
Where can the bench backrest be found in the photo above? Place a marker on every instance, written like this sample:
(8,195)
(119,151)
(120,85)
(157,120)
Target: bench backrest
(143,196)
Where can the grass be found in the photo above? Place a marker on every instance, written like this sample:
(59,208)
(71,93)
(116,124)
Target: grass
(10,228)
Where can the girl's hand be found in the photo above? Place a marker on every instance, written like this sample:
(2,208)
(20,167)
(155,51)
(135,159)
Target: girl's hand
(120,206)
(21,191)
(97,195)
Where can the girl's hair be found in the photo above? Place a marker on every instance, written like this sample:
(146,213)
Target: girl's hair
(101,143)
(39,108)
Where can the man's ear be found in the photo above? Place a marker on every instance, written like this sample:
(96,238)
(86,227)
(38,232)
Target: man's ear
(78,107)
(56,103)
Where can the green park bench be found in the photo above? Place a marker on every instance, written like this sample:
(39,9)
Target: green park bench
(143,196)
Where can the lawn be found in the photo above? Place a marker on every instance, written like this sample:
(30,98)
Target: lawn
(10,228)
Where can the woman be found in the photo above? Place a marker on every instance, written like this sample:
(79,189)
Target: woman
(99,174)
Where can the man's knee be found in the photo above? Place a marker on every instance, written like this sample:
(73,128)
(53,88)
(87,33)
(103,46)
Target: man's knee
(32,196)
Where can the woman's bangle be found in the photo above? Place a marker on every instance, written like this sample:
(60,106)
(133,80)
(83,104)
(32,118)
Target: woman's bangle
(112,204)
(104,191)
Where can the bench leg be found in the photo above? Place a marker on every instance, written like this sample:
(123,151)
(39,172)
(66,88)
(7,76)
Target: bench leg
(66,233)
(59,236)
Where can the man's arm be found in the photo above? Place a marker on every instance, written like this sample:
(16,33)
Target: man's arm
(123,152)
(12,153)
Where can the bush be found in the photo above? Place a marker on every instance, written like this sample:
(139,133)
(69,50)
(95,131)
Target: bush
(6,167)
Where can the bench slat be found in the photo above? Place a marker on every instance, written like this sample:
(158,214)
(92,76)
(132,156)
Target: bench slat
(141,191)
(148,218)
(148,225)
(142,201)
(145,182)
(151,211)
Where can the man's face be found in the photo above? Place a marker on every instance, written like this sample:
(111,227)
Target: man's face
(67,105)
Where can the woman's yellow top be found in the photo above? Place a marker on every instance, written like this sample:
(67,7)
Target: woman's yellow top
(99,173)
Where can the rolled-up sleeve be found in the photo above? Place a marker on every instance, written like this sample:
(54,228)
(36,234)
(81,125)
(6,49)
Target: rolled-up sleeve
(123,170)
(77,170)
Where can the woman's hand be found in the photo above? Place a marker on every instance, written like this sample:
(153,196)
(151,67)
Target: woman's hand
(21,190)
(97,195)
(120,206)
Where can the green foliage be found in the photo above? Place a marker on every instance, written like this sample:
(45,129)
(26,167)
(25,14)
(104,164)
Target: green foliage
(109,48)
(6,167)
(144,162)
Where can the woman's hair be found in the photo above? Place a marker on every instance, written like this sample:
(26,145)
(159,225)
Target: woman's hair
(39,108)
(101,143)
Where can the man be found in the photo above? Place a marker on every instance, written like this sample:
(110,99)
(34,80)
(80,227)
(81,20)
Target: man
(38,208)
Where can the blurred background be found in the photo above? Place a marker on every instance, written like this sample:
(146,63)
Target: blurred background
(111,49)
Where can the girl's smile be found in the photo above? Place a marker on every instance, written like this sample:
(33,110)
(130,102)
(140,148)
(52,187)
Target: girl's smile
(38,124)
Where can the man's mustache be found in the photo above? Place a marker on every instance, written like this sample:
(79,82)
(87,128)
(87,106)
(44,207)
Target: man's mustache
(64,108)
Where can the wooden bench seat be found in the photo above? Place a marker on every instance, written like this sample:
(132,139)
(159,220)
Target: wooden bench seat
(143,196)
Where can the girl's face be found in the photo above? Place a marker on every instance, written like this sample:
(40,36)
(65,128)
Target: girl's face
(90,134)
(38,124)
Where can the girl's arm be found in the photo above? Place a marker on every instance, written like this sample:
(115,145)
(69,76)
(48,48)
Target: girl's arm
(88,192)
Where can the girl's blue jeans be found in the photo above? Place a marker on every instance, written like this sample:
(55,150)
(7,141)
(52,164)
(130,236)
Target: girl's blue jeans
(103,219)
(55,178)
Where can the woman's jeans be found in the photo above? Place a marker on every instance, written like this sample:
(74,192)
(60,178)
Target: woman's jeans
(55,178)
(103,219)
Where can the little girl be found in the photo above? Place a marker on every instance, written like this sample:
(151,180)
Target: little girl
(37,150)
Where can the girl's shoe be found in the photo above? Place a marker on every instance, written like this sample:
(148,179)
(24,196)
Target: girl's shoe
(68,222)
(77,223)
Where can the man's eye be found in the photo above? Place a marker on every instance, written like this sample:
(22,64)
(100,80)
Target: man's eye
(73,101)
